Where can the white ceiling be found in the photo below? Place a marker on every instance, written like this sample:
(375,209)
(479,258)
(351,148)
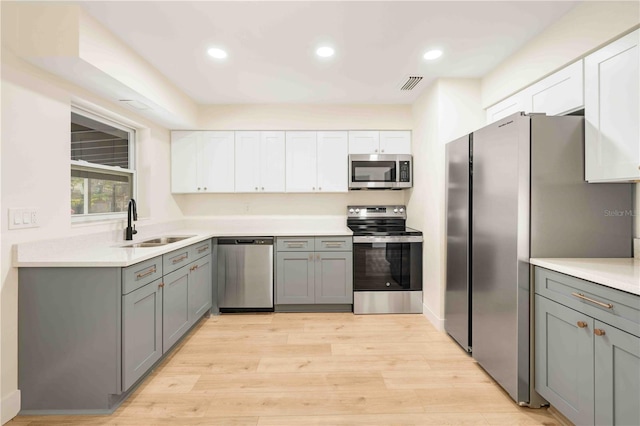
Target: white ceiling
(271,45)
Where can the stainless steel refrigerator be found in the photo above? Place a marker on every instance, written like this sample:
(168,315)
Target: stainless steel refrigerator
(529,199)
(459,154)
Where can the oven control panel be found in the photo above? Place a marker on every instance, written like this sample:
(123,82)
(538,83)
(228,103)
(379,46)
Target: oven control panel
(376,211)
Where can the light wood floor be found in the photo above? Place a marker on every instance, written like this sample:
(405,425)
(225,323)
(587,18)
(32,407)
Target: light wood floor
(315,369)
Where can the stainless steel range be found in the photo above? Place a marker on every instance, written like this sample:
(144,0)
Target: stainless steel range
(387,261)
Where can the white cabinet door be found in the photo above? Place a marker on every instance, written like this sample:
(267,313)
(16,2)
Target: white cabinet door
(247,161)
(272,162)
(364,142)
(184,161)
(301,162)
(612,111)
(217,160)
(333,161)
(560,93)
(507,107)
(395,142)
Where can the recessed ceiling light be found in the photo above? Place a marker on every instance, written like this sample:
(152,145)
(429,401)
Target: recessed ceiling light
(325,51)
(432,54)
(217,53)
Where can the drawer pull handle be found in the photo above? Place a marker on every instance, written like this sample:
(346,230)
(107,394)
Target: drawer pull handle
(179,259)
(201,249)
(146,274)
(599,332)
(583,297)
(334,245)
(295,245)
(582,324)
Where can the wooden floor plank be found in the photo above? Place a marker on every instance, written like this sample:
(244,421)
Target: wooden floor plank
(314,369)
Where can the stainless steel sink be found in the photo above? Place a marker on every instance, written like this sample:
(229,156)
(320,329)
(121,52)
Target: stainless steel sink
(157,242)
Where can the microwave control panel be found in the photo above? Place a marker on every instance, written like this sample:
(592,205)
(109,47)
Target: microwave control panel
(405,171)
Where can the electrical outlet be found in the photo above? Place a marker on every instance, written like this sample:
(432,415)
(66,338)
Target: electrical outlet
(23,218)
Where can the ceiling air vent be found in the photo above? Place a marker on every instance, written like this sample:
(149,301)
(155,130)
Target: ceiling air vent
(412,81)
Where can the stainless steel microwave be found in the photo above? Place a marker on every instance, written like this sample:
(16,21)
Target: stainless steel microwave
(384,171)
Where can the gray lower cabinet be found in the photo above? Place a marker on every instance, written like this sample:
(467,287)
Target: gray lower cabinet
(200,289)
(87,335)
(323,276)
(585,367)
(175,307)
(141,331)
(295,278)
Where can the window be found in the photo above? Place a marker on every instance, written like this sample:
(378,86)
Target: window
(102,172)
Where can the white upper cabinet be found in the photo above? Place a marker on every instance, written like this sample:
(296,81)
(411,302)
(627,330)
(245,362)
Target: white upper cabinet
(301,171)
(316,161)
(380,142)
(202,161)
(560,93)
(395,142)
(612,111)
(364,142)
(507,107)
(332,161)
(184,162)
(217,161)
(259,162)
(272,162)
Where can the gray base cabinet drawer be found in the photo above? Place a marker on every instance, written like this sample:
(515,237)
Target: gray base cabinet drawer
(135,276)
(141,331)
(295,244)
(587,354)
(200,249)
(333,244)
(613,306)
(177,259)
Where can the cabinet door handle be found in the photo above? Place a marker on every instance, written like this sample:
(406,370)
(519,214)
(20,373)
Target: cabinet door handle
(583,297)
(161,285)
(382,150)
(317,257)
(311,258)
(179,259)
(193,268)
(203,249)
(262,188)
(582,324)
(256,188)
(198,188)
(313,189)
(146,274)
(205,188)
(599,332)
(375,150)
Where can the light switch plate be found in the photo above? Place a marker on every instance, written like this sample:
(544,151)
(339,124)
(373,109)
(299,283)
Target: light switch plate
(23,218)
(636,248)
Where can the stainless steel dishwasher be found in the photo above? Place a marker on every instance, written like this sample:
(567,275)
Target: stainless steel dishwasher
(245,274)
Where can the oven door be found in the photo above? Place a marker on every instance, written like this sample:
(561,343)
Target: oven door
(387,263)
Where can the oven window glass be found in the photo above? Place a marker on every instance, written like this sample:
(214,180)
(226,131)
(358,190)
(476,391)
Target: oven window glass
(382,266)
(373,171)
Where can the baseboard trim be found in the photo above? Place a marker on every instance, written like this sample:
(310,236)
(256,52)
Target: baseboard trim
(10,406)
(437,322)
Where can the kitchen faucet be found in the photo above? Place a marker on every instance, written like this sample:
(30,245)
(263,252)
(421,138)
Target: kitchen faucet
(132,213)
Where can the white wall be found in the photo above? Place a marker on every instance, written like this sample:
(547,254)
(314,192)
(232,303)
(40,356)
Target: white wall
(35,171)
(447,110)
(295,117)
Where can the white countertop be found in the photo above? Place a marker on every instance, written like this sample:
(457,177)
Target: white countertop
(101,251)
(619,273)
